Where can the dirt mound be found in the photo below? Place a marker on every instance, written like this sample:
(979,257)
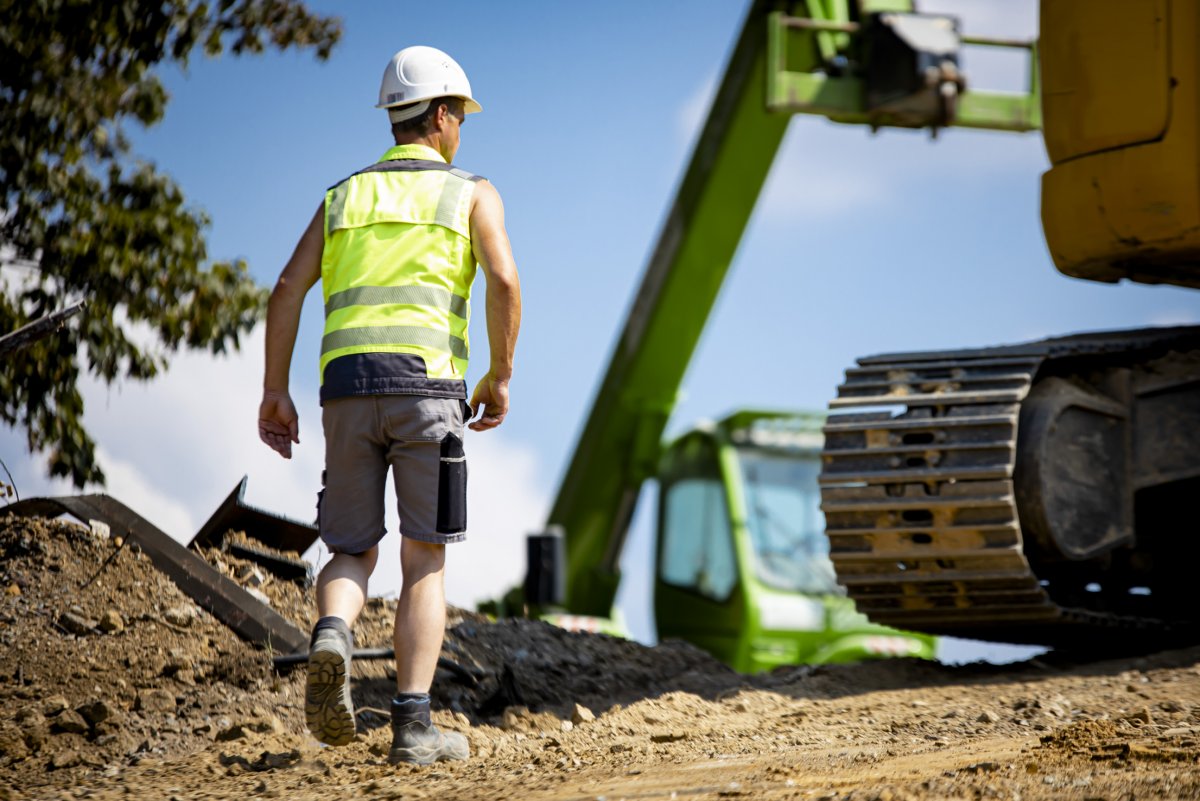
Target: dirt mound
(112,682)
(107,663)
(105,660)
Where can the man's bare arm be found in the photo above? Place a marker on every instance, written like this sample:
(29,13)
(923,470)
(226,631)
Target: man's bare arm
(489,240)
(278,423)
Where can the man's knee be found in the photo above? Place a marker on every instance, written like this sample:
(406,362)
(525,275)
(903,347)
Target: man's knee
(422,556)
(365,558)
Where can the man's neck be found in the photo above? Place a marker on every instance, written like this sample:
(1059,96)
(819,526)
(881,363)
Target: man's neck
(433,142)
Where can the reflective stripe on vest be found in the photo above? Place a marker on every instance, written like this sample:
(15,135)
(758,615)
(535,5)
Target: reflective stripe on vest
(397,267)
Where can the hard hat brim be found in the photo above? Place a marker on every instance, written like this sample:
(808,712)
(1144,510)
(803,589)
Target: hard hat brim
(470,104)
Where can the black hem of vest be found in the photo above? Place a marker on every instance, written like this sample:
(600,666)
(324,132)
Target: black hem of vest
(416,388)
(359,374)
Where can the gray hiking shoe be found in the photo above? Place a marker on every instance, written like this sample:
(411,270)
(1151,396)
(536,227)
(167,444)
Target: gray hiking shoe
(328,708)
(422,744)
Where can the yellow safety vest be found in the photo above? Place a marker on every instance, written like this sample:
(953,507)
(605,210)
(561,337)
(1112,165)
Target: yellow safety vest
(396,271)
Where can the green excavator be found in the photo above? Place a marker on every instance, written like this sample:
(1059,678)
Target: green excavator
(1013,494)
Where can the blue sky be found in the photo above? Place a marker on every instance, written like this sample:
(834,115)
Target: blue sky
(860,244)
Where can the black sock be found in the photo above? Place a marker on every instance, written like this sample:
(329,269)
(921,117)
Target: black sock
(409,707)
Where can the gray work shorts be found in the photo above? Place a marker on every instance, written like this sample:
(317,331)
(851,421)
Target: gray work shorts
(420,439)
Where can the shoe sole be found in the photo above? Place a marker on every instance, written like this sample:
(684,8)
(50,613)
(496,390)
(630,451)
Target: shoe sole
(328,709)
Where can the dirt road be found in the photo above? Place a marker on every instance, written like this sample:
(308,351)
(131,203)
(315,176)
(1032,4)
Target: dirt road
(150,697)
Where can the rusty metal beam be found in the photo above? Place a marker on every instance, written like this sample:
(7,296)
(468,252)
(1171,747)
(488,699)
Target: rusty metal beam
(272,530)
(464,675)
(234,514)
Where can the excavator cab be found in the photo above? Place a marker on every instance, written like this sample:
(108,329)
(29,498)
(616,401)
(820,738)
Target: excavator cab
(742,564)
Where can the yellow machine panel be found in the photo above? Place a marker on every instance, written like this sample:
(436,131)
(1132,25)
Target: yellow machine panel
(1106,78)
(1121,98)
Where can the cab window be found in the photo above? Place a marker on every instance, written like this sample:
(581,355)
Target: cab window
(697,546)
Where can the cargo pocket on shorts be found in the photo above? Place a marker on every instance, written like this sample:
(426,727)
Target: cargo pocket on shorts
(452,487)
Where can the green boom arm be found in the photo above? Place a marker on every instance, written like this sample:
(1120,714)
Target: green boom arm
(619,447)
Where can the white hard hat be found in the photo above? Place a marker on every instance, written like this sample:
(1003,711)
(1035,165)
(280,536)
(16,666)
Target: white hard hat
(416,75)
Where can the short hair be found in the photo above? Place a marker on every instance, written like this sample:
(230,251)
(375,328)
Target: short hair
(420,123)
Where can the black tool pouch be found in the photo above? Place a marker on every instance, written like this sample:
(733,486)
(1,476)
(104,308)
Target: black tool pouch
(452,487)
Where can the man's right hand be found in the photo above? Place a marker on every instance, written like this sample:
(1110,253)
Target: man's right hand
(278,423)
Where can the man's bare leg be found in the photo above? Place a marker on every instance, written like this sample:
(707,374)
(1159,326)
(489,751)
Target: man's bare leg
(420,615)
(341,594)
(342,584)
(420,626)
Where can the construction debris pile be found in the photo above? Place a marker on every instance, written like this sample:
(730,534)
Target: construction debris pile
(113,681)
(106,662)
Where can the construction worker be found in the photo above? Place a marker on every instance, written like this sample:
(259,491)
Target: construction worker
(396,247)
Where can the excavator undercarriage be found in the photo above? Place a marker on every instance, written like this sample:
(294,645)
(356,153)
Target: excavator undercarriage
(1039,493)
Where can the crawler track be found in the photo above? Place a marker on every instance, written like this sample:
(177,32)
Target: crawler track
(919,499)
